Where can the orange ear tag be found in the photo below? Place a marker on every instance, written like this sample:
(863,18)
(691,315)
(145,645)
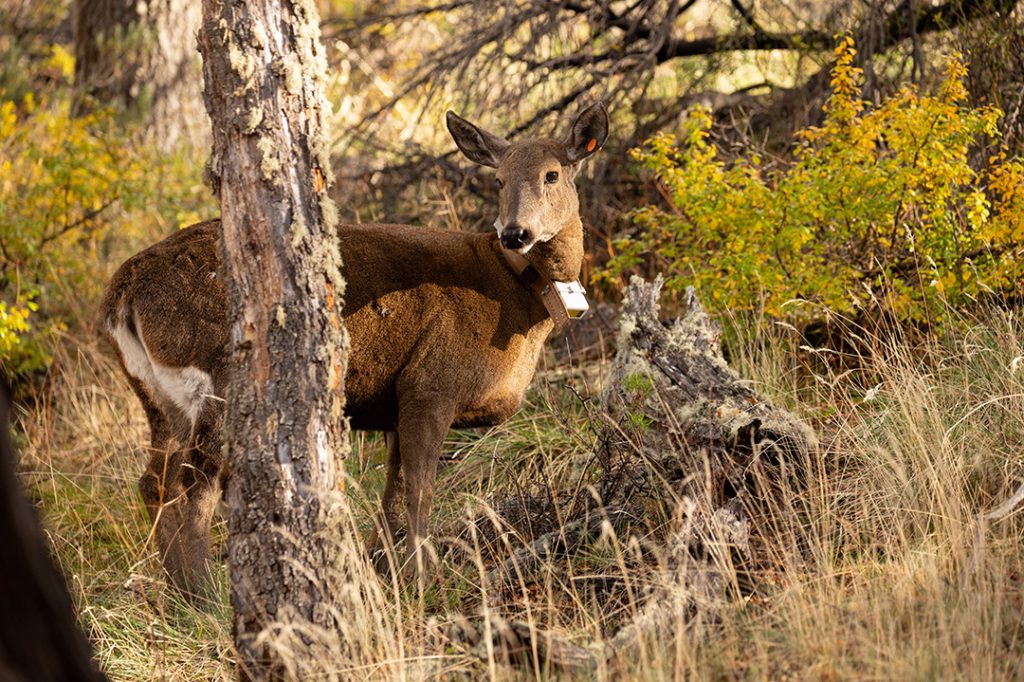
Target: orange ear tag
(591,145)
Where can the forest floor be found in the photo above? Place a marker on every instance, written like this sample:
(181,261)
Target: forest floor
(896,579)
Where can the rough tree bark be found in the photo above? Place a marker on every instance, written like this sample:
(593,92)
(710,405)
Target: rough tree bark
(285,435)
(684,431)
(142,55)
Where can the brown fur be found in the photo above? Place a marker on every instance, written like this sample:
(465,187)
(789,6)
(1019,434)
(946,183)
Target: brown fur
(443,333)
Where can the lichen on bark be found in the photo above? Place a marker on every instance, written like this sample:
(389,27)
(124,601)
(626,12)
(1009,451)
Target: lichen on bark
(285,437)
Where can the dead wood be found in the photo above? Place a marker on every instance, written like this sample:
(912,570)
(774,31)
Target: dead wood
(529,560)
(680,416)
(686,433)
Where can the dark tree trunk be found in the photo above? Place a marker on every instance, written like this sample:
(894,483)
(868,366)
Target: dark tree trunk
(39,639)
(142,55)
(285,436)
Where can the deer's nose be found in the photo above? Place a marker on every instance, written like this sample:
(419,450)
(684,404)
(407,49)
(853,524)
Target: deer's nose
(515,237)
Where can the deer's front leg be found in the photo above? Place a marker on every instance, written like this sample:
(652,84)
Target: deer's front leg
(422,427)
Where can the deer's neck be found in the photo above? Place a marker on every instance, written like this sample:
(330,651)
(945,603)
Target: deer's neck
(561,258)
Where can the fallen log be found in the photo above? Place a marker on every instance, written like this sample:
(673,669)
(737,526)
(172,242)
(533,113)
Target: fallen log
(679,415)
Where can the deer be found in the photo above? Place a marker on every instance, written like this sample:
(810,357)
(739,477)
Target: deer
(446,330)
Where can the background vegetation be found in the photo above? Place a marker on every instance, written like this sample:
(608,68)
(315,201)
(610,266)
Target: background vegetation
(855,166)
(880,211)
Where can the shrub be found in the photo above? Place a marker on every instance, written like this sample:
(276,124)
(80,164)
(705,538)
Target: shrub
(58,176)
(77,195)
(878,211)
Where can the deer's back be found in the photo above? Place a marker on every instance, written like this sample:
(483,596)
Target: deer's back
(432,316)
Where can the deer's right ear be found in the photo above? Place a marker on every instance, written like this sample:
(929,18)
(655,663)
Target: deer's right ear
(476,143)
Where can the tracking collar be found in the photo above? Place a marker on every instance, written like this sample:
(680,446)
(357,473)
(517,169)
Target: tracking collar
(563,300)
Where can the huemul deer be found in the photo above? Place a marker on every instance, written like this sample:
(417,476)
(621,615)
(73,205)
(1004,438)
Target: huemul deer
(446,330)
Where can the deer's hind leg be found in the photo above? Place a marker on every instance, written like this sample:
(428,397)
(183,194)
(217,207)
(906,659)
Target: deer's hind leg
(164,457)
(199,484)
(181,488)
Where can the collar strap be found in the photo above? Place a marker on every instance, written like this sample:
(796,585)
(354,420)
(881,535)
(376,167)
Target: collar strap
(541,286)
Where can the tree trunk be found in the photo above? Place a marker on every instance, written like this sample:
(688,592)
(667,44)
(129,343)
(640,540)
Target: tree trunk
(285,435)
(142,56)
(39,638)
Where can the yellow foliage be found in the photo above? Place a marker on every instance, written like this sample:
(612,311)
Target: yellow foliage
(76,194)
(879,209)
(13,323)
(63,61)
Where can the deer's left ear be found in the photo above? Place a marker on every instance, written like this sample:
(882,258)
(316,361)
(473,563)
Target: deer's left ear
(588,133)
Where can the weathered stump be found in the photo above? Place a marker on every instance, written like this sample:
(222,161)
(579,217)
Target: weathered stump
(683,432)
(679,415)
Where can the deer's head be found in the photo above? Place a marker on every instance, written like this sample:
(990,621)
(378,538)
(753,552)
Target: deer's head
(536,177)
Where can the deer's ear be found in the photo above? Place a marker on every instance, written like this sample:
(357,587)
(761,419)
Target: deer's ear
(476,143)
(588,133)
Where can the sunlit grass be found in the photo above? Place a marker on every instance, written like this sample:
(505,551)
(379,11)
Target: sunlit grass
(895,578)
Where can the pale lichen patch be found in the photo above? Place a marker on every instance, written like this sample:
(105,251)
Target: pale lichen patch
(241,63)
(259,36)
(270,165)
(289,70)
(309,9)
(299,230)
(254,118)
(330,213)
(319,147)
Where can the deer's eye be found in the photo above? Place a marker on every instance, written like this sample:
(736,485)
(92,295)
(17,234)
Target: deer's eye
(500,183)
(551,178)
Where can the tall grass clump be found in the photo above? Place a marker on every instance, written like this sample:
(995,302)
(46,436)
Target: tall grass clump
(902,578)
(884,571)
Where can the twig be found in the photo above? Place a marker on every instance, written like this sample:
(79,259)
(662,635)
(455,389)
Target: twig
(1006,508)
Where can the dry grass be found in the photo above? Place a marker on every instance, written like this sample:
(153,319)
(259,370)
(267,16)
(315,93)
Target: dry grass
(896,580)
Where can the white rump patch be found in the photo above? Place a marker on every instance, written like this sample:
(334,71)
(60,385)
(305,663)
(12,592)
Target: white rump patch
(185,387)
(136,359)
